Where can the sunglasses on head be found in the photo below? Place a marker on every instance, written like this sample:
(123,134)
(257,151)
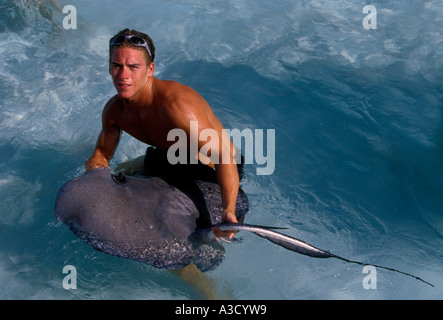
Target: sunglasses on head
(135,40)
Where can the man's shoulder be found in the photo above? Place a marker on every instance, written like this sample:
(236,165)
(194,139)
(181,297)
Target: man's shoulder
(178,95)
(112,108)
(113,104)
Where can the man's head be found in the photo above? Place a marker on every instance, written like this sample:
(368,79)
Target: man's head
(136,40)
(130,63)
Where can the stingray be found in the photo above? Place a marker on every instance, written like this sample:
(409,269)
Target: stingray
(145,218)
(167,224)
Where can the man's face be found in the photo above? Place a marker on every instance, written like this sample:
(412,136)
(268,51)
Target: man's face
(129,71)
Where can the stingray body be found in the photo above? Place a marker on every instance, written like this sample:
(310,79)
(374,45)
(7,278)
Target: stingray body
(145,218)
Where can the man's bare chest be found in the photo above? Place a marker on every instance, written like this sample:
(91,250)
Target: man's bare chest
(148,127)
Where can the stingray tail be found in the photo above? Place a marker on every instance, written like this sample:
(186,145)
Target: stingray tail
(386,268)
(298,245)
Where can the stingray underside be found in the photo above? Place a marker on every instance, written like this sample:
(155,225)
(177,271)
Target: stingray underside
(145,218)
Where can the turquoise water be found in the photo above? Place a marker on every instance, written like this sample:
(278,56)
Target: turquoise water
(358,140)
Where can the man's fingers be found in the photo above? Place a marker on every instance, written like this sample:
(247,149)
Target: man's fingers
(224,234)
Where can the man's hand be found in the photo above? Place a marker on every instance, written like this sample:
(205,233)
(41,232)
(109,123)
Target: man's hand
(95,162)
(227,217)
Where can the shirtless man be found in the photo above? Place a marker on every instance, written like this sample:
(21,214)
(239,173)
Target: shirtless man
(148,108)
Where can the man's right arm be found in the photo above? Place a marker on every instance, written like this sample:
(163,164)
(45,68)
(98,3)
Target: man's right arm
(107,140)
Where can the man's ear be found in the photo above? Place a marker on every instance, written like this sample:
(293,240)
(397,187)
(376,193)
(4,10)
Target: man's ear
(151,69)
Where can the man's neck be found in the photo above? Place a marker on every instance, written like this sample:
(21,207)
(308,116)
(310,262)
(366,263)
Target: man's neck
(145,98)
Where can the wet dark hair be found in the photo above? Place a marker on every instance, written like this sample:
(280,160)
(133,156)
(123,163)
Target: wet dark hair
(127,43)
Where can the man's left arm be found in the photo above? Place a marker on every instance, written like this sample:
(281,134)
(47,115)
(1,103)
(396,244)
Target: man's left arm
(227,176)
(181,114)
(228,179)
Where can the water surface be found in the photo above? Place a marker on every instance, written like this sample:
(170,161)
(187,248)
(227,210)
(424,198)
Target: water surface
(359,140)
